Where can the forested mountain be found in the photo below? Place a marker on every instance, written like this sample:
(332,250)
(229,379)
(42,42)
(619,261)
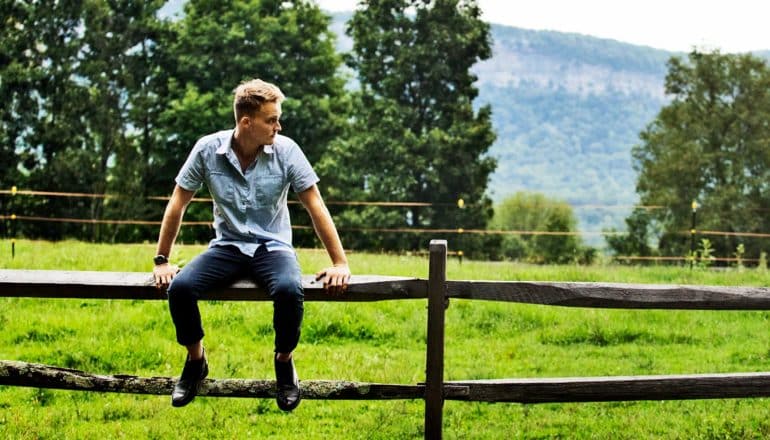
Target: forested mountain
(567,109)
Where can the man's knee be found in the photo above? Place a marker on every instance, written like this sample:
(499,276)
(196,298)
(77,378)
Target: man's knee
(287,289)
(181,288)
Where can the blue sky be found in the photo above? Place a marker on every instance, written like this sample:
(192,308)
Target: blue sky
(676,25)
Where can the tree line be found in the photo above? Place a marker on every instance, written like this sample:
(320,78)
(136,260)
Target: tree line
(108,97)
(709,146)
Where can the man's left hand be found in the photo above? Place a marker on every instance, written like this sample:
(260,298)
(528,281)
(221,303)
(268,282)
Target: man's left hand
(335,278)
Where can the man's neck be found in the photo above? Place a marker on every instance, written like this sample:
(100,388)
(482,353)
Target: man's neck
(244,150)
(245,154)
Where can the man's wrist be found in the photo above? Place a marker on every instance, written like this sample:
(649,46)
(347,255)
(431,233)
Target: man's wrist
(160,259)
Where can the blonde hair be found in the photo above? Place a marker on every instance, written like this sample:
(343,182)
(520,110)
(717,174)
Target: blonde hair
(251,94)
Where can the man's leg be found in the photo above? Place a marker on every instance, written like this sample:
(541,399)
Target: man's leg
(279,272)
(214,267)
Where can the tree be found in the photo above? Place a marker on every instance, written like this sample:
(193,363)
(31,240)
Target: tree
(19,69)
(416,135)
(42,97)
(123,62)
(98,103)
(636,240)
(222,43)
(711,144)
(535,212)
(106,97)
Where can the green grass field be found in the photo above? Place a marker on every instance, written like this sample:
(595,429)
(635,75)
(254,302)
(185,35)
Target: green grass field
(378,342)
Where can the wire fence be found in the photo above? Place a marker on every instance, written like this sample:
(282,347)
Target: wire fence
(460,204)
(363,229)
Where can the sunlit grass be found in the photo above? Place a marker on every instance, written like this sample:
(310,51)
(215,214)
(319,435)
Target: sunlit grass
(378,342)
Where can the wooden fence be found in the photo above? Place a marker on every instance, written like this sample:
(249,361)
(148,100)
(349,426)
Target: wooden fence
(438,291)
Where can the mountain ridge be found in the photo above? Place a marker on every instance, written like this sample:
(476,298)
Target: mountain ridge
(549,91)
(567,109)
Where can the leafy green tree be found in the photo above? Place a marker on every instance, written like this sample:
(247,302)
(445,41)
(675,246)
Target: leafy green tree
(125,63)
(711,144)
(220,44)
(106,97)
(81,79)
(19,70)
(416,135)
(535,212)
(43,99)
(636,240)
(112,107)
(122,64)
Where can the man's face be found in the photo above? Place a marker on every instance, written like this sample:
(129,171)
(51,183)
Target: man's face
(265,124)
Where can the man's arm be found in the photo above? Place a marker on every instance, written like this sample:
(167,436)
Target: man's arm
(335,278)
(169,228)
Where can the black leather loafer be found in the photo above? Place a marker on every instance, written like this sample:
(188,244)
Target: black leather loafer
(287,384)
(189,383)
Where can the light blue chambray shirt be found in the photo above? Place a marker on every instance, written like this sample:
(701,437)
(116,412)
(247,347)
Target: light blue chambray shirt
(249,208)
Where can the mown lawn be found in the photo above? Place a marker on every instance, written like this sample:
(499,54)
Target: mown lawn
(379,342)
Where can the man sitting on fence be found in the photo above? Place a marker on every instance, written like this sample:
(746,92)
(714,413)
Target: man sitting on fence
(248,171)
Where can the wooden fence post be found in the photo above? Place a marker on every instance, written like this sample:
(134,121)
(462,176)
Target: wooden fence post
(434,365)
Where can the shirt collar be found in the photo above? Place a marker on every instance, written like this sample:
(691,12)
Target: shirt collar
(227,144)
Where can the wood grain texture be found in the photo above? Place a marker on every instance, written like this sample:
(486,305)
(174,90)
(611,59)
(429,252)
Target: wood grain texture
(45,376)
(434,356)
(545,390)
(619,388)
(139,285)
(615,295)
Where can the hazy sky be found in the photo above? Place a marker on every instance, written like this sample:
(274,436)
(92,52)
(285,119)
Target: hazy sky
(676,25)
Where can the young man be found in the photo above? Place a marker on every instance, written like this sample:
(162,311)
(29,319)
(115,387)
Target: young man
(248,171)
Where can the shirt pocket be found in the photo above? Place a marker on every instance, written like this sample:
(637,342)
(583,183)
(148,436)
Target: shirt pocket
(269,189)
(221,187)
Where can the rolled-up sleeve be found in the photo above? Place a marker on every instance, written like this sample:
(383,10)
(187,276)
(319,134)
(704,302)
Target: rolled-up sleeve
(192,173)
(301,173)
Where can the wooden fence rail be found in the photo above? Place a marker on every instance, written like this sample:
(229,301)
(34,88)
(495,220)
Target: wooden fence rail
(550,390)
(139,285)
(438,291)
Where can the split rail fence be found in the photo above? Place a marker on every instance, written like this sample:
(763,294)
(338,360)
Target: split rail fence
(438,291)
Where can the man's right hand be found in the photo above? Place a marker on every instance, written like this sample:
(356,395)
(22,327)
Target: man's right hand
(163,274)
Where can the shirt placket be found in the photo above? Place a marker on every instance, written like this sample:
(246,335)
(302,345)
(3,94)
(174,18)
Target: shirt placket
(249,195)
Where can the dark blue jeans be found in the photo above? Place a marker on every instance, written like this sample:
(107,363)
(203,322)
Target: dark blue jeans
(218,266)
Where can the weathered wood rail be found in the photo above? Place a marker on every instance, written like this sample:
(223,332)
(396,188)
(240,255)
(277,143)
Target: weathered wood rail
(438,291)
(139,285)
(551,390)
